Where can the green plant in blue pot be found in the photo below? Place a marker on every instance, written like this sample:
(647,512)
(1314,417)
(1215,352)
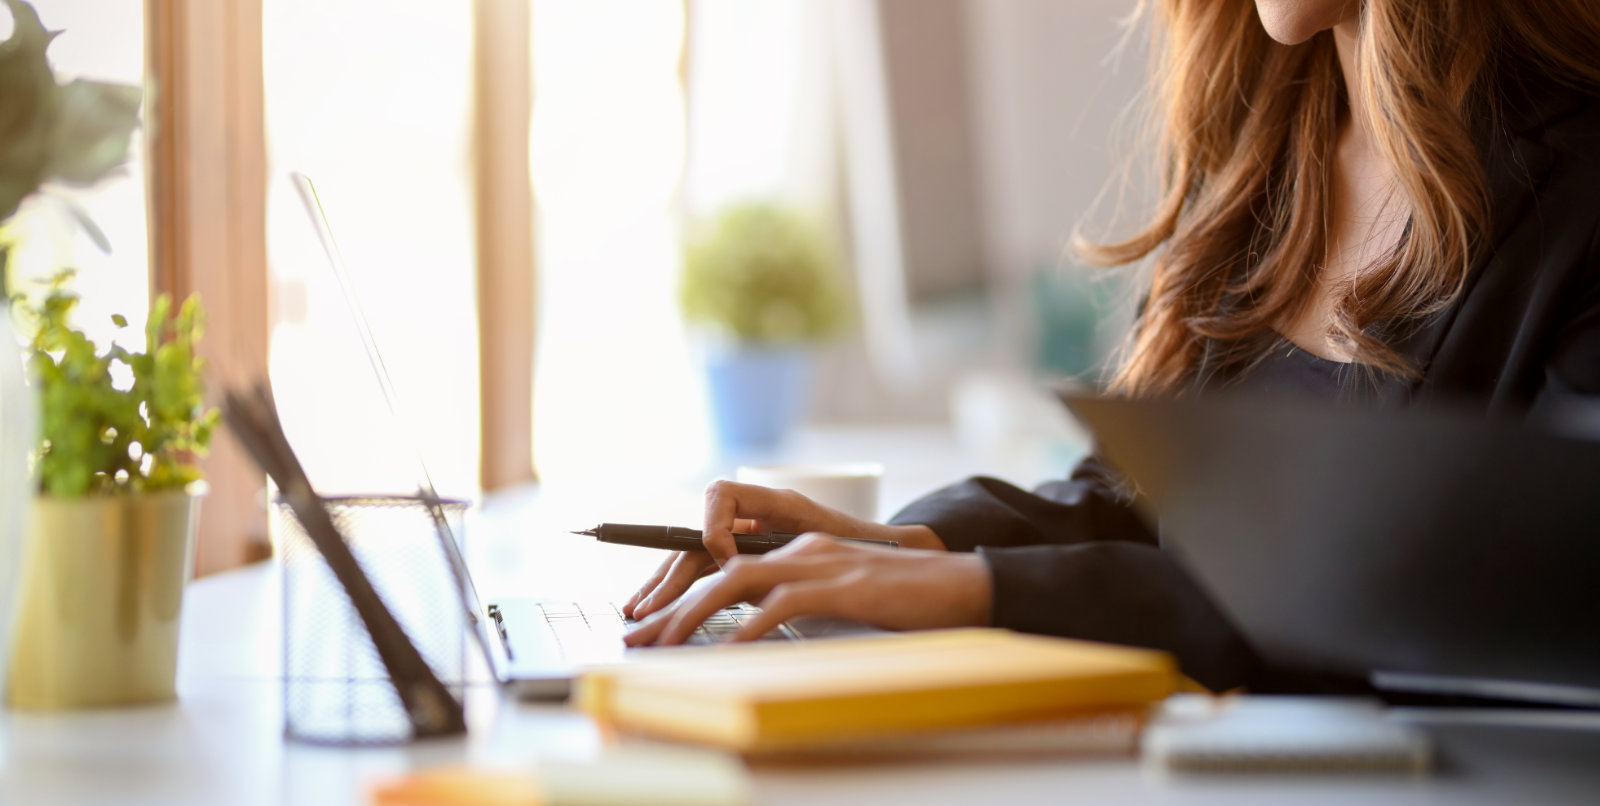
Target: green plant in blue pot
(763,286)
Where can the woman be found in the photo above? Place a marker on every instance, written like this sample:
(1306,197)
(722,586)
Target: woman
(1365,200)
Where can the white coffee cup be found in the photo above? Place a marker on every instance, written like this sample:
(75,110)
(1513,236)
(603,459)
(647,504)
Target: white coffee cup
(849,488)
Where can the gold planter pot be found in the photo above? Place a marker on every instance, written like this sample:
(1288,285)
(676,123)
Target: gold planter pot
(102,583)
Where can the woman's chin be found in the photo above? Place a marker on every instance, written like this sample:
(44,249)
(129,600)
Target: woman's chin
(1291,22)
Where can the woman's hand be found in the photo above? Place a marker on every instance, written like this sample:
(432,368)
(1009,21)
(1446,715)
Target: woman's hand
(899,589)
(749,509)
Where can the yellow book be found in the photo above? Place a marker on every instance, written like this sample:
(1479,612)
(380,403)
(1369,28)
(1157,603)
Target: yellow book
(757,698)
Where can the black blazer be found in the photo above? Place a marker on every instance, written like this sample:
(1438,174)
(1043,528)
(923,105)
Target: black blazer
(1523,339)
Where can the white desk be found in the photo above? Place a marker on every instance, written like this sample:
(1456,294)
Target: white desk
(220,744)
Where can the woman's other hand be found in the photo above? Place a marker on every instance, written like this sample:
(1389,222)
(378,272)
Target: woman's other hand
(898,589)
(748,509)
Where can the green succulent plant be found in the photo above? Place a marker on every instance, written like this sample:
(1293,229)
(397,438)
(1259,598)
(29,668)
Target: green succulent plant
(98,438)
(761,273)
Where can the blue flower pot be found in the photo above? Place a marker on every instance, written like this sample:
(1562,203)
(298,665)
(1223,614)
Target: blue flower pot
(757,394)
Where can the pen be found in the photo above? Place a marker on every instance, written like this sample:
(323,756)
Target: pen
(678,538)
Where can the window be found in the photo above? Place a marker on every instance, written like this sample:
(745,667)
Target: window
(372,99)
(613,377)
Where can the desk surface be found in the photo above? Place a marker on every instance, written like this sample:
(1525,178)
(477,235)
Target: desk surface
(220,743)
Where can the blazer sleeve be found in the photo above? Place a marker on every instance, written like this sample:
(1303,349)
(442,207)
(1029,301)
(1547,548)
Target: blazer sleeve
(1123,593)
(1073,558)
(1091,505)
(1570,394)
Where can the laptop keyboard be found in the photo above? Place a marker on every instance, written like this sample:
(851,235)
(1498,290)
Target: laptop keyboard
(725,622)
(594,631)
(578,634)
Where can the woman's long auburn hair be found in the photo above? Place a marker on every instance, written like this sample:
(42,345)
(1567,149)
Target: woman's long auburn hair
(1247,130)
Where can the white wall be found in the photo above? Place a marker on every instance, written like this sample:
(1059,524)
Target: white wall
(1051,119)
(1048,118)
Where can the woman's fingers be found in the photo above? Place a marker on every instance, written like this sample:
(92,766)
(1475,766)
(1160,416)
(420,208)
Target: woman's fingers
(687,566)
(649,585)
(722,507)
(730,506)
(648,630)
(812,544)
(898,589)
(740,525)
(822,597)
(743,580)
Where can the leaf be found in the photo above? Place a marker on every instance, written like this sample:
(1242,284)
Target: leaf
(119,320)
(28,34)
(16,182)
(94,122)
(192,318)
(91,229)
(28,88)
(88,424)
(158,317)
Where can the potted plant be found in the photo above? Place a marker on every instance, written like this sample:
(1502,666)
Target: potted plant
(762,285)
(110,537)
(96,550)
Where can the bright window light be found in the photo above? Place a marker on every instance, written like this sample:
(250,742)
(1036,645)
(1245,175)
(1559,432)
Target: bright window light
(614,394)
(372,99)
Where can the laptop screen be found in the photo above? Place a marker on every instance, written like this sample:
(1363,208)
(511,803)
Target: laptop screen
(466,591)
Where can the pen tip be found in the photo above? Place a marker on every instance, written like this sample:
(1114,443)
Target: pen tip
(586,533)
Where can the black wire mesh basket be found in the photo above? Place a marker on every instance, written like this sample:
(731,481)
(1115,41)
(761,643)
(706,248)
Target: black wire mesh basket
(336,690)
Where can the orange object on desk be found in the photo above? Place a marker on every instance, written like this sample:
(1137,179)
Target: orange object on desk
(459,787)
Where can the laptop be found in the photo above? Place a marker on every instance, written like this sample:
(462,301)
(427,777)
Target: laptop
(1432,550)
(533,646)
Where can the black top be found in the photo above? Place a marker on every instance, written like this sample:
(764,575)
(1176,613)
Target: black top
(1288,370)
(1523,338)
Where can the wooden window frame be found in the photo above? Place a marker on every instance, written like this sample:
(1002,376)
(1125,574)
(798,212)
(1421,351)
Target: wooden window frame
(507,300)
(207,198)
(207,201)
